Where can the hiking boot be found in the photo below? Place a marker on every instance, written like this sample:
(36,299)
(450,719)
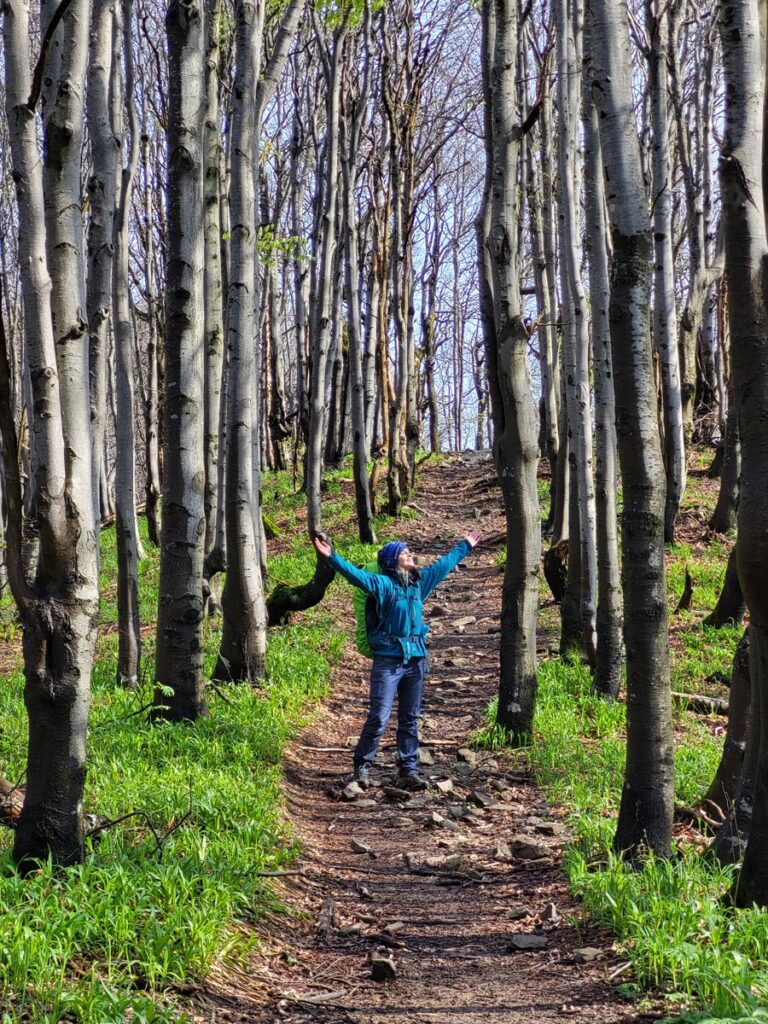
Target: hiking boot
(412,782)
(362,776)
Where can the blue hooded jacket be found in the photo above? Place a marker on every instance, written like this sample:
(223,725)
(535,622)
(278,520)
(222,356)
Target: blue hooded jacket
(400,631)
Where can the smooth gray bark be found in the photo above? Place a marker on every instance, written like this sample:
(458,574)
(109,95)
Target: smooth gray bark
(647,802)
(664,309)
(129,634)
(58,610)
(102,191)
(243,642)
(514,416)
(351,121)
(746,253)
(179,660)
(609,625)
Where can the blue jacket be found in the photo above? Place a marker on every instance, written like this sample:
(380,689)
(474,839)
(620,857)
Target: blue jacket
(399,631)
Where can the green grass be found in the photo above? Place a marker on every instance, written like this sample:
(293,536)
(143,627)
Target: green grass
(671,922)
(669,917)
(161,893)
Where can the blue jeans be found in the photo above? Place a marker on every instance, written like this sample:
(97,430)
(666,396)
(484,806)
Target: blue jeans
(390,678)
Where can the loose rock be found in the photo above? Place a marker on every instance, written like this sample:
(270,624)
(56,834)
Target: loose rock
(526,848)
(467,755)
(360,847)
(483,799)
(527,942)
(586,955)
(426,756)
(444,785)
(351,791)
(551,828)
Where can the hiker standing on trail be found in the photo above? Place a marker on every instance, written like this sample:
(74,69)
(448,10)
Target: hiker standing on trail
(396,636)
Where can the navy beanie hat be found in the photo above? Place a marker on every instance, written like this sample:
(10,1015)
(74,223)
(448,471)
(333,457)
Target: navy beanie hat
(390,553)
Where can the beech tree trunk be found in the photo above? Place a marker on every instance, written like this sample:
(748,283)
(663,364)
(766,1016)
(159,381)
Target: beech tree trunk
(723,791)
(664,311)
(129,642)
(730,605)
(243,642)
(575,331)
(746,252)
(351,120)
(645,815)
(322,311)
(514,416)
(214,305)
(58,610)
(102,191)
(608,654)
(179,661)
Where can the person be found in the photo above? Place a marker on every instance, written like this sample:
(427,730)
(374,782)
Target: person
(396,634)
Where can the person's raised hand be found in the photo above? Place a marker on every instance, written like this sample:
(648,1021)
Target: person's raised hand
(472,538)
(322,546)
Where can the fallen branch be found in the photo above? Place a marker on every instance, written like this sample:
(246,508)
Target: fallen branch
(702,705)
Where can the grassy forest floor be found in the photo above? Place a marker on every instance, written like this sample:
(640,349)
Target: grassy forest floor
(200,907)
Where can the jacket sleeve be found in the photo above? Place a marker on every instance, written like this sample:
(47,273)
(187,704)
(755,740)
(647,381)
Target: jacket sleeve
(436,573)
(371,582)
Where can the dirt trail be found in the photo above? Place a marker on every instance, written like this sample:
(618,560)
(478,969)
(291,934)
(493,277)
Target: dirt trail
(444,900)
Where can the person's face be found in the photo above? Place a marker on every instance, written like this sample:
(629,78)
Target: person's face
(406,560)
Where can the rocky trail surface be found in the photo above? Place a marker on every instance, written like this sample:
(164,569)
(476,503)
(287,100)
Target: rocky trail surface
(448,906)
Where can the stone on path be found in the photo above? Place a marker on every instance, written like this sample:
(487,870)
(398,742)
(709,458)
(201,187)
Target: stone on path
(351,791)
(586,955)
(464,621)
(526,941)
(426,756)
(444,785)
(468,756)
(526,848)
(484,800)
(360,847)
(551,828)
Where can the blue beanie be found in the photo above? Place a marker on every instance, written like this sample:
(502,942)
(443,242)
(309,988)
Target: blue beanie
(390,553)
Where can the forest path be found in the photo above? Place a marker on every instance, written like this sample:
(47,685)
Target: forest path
(446,924)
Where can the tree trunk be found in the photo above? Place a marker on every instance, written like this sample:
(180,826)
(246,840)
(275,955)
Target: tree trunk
(664,311)
(323,312)
(730,606)
(645,815)
(152,483)
(179,662)
(746,262)
(722,792)
(608,655)
(243,642)
(351,124)
(575,330)
(58,611)
(129,633)
(213,299)
(723,518)
(102,190)
(506,338)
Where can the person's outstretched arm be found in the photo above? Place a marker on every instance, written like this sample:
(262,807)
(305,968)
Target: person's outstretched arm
(370,582)
(436,573)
